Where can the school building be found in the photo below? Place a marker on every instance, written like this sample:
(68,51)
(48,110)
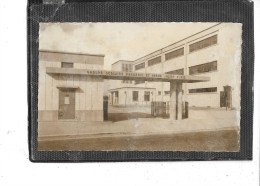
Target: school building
(71,87)
(214,52)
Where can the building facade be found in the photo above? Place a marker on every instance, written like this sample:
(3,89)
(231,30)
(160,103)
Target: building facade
(70,97)
(214,52)
(125,92)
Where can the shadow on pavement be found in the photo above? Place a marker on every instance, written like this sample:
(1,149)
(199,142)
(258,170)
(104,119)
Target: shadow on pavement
(114,117)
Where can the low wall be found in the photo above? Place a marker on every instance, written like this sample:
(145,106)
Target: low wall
(80,115)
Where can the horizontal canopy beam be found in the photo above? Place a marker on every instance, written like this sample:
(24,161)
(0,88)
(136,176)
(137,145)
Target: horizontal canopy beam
(118,75)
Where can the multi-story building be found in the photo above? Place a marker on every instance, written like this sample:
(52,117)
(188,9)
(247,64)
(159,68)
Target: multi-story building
(214,52)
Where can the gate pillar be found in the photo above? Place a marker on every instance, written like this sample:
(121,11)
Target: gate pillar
(179,101)
(173,100)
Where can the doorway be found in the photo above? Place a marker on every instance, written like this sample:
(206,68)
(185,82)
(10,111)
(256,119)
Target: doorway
(226,97)
(66,104)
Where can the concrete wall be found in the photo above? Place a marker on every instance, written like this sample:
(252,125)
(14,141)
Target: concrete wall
(88,97)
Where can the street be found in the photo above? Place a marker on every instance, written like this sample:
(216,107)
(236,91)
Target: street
(225,140)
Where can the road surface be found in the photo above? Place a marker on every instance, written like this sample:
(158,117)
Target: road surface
(225,140)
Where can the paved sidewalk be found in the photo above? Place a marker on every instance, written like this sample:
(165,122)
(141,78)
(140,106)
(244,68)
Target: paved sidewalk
(200,120)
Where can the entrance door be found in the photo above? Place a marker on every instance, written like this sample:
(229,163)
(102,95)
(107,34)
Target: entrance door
(66,104)
(226,97)
(222,99)
(227,90)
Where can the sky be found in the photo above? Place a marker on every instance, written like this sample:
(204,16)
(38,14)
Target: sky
(117,41)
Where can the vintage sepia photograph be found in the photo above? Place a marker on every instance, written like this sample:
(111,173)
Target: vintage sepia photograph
(139,86)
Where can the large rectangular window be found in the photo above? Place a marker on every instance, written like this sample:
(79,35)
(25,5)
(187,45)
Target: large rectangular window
(206,67)
(204,43)
(154,61)
(176,72)
(139,66)
(66,65)
(203,90)
(146,96)
(139,82)
(175,53)
(135,95)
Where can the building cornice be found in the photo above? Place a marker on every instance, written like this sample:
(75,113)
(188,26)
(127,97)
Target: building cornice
(73,53)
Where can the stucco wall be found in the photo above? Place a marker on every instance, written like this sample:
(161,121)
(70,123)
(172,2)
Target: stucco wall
(227,53)
(88,97)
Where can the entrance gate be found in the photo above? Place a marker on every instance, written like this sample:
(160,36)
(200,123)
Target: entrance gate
(67,98)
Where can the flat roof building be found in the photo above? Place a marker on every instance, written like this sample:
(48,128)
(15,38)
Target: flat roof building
(72,97)
(214,52)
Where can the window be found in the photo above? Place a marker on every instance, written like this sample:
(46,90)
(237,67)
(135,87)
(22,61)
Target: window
(127,68)
(206,67)
(159,93)
(174,54)
(139,66)
(166,92)
(154,61)
(127,81)
(203,90)
(204,43)
(139,82)
(176,72)
(146,96)
(66,65)
(135,95)
(66,100)
(116,94)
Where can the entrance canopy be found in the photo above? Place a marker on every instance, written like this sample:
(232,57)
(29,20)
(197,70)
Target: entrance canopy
(118,75)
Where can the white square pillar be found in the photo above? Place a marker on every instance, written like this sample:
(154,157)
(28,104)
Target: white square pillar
(179,101)
(173,100)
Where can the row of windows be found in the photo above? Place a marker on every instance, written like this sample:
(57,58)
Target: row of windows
(179,52)
(203,90)
(165,93)
(197,69)
(157,60)
(146,96)
(198,90)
